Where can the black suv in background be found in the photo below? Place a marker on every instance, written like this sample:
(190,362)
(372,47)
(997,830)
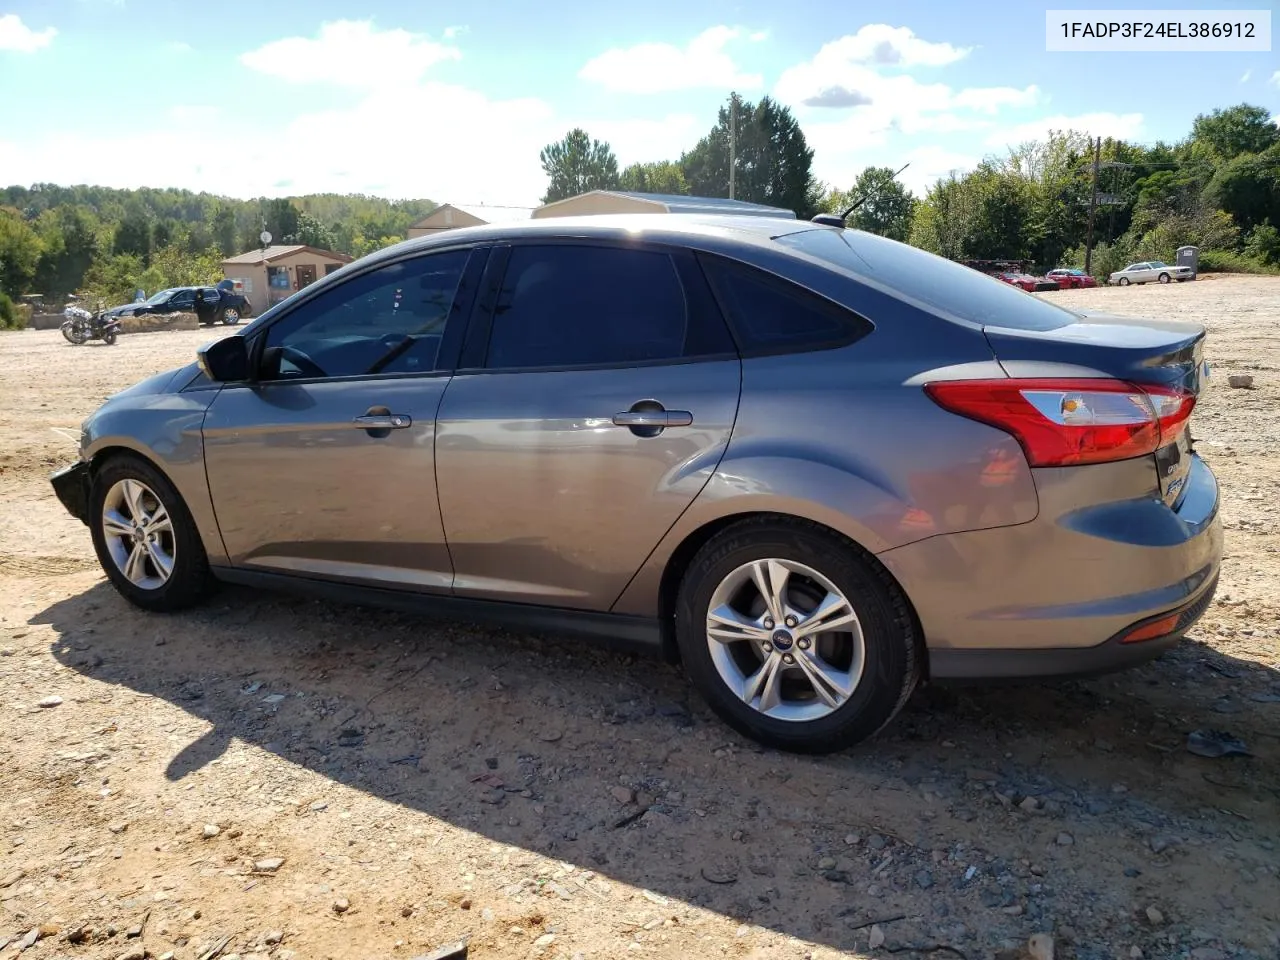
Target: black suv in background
(209,304)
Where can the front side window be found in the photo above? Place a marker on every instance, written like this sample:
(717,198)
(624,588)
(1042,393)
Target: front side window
(565,305)
(389,320)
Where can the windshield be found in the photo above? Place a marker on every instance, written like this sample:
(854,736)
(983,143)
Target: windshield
(931,280)
(161,297)
(1157,263)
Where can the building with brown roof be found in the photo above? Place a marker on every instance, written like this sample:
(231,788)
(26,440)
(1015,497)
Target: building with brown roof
(270,274)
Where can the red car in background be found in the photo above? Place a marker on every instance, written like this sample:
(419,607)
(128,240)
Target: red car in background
(1029,283)
(1071,279)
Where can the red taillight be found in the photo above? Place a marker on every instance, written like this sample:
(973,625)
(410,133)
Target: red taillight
(1065,422)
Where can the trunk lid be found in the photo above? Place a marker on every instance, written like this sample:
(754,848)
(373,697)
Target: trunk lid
(1162,353)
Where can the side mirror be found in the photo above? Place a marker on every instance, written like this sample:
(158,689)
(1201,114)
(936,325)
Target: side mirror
(225,360)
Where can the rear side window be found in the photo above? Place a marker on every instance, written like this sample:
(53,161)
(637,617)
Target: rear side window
(931,280)
(569,305)
(772,315)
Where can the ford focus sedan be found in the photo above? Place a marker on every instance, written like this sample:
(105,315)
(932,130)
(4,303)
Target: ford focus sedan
(815,466)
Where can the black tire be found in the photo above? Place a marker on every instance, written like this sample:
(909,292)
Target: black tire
(1164,278)
(1124,281)
(892,663)
(229,316)
(190,582)
(109,338)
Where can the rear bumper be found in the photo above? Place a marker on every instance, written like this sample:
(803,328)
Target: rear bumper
(1056,596)
(71,484)
(1058,663)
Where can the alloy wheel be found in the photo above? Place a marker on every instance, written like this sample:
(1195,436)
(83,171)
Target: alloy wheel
(139,534)
(785,640)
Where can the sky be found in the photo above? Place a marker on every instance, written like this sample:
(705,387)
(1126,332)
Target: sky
(452,100)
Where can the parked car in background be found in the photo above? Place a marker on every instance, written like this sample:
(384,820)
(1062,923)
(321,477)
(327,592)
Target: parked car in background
(1027,282)
(718,439)
(1069,278)
(209,304)
(1148,272)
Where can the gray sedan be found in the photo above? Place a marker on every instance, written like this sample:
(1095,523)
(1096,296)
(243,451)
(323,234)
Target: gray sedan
(815,466)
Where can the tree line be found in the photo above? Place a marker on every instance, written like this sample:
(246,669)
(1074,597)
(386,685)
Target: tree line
(106,243)
(1218,189)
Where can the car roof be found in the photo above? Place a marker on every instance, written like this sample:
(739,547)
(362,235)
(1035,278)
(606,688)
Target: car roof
(676,228)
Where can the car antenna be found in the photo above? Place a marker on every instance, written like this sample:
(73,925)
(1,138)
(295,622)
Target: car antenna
(832,220)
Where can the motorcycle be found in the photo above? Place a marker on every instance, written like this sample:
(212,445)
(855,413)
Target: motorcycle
(80,326)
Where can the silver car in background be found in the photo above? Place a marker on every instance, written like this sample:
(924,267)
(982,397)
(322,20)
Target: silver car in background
(1150,271)
(816,466)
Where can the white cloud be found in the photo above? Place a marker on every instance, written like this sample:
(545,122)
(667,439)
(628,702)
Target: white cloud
(664,67)
(452,33)
(1127,126)
(880,45)
(351,53)
(991,100)
(839,77)
(759,35)
(1275,79)
(178,46)
(1246,76)
(18,37)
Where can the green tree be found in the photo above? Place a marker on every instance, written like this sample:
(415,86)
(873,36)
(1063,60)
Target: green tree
(162,234)
(578,164)
(69,243)
(281,217)
(19,254)
(223,229)
(887,210)
(8,313)
(772,160)
(661,177)
(1248,188)
(312,232)
(133,235)
(1244,128)
(1263,244)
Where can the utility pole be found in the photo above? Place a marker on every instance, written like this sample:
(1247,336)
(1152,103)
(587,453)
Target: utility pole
(1093,206)
(733,137)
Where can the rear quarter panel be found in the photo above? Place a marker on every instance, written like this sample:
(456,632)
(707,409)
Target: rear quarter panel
(847,438)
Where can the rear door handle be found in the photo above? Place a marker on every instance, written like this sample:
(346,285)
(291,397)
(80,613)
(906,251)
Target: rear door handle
(383,421)
(653,418)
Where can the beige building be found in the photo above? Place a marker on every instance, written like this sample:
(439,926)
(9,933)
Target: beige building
(271,274)
(622,201)
(449,216)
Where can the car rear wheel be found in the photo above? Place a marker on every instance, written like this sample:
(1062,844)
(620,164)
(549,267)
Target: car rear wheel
(145,538)
(795,637)
(1164,278)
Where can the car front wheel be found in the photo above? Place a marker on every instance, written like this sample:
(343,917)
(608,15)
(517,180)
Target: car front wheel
(145,538)
(1124,281)
(795,637)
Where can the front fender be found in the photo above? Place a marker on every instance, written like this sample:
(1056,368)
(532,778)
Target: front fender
(166,430)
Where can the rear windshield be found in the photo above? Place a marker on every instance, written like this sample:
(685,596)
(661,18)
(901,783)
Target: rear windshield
(931,280)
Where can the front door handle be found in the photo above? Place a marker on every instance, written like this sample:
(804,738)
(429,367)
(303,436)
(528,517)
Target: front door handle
(383,421)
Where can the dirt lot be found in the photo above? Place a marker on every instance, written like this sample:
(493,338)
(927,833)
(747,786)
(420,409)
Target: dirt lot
(311,780)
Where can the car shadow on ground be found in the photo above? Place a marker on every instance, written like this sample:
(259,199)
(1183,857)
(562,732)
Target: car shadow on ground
(612,763)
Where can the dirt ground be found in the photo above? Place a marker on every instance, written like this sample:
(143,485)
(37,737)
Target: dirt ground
(277,777)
